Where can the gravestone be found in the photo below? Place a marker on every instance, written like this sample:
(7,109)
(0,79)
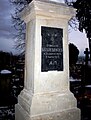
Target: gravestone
(46,94)
(5,83)
(87,58)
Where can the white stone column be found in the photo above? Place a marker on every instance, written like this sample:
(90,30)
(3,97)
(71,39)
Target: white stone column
(46,94)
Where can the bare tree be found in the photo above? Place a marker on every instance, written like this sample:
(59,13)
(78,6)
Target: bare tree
(83,16)
(19,25)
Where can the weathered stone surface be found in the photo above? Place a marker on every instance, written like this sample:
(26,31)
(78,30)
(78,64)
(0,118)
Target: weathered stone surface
(46,94)
(69,114)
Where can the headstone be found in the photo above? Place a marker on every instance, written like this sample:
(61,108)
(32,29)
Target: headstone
(46,94)
(87,58)
(5,72)
(5,80)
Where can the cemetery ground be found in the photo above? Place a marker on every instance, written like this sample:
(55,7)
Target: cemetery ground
(11,83)
(80,88)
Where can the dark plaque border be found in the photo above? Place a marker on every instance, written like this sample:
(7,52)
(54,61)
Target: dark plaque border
(52,49)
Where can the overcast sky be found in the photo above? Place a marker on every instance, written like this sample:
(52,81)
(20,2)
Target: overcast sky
(7,30)
(79,39)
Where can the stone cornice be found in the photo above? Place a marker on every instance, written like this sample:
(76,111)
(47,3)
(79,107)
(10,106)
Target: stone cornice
(46,9)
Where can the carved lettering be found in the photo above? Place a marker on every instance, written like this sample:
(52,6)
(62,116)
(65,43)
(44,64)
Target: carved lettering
(52,49)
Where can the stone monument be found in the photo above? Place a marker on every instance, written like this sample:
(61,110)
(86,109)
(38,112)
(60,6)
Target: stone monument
(46,94)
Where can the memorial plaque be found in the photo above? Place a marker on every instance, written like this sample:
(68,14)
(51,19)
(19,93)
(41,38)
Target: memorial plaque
(52,49)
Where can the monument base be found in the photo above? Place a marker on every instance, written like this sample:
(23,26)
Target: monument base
(71,114)
(51,106)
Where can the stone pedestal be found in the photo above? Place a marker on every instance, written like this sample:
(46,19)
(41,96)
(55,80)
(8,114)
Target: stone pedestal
(46,94)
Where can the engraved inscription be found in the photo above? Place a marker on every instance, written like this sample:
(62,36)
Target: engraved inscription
(52,49)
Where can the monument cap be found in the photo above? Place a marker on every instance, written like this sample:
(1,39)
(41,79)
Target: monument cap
(55,1)
(59,1)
